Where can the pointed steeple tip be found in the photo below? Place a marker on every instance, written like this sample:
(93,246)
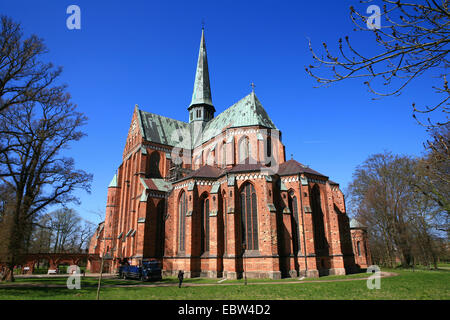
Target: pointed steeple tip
(114,182)
(202,88)
(253,91)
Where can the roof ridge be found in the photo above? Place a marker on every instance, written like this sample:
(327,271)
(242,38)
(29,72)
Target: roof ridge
(187,123)
(221,113)
(260,116)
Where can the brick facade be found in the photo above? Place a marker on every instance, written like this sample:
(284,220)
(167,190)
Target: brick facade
(233,186)
(361,249)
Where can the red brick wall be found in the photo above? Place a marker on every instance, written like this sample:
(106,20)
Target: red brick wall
(362,258)
(275,255)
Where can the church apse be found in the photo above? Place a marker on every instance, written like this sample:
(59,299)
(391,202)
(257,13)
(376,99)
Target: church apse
(214,195)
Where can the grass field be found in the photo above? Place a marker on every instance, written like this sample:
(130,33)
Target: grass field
(420,284)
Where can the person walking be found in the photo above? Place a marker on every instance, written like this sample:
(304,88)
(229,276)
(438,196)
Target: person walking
(180,278)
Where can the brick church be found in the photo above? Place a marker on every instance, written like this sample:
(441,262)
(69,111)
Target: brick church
(215,197)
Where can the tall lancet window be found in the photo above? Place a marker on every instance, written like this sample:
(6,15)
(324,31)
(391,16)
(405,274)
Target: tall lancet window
(204,230)
(249,217)
(224,213)
(269,147)
(152,166)
(182,210)
(294,221)
(160,229)
(224,153)
(244,150)
(320,240)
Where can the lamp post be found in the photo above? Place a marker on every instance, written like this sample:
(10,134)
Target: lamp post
(106,256)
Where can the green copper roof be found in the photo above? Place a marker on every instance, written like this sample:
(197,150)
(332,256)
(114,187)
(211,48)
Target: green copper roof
(355,224)
(114,182)
(164,130)
(246,112)
(215,188)
(282,186)
(161,184)
(202,88)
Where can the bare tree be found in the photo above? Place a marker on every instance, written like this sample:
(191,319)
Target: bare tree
(33,166)
(421,218)
(84,235)
(434,169)
(62,230)
(41,236)
(414,38)
(23,77)
(379,188)
(401,219)
(34,133)
(65,223)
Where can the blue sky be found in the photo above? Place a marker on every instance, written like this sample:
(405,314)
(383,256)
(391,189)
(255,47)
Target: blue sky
(145,53)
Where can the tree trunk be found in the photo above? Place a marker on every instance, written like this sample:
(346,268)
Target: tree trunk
(8,276)
(14,245)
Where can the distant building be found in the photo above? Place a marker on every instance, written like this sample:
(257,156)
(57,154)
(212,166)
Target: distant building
(363,257)
(215,197)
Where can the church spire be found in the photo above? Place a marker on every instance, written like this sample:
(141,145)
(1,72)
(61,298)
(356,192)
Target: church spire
(201,95)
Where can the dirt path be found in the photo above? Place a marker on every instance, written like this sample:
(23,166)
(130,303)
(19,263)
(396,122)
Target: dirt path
(159,284)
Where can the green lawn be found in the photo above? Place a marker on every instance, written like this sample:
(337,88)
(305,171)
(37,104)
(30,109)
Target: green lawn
(89,281)
(421,284)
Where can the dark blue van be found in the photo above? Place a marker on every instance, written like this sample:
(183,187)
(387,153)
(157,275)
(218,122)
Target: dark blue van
(147,271)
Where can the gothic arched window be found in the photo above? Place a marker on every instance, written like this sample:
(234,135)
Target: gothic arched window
(269,147)
(204,232)
(224,153)
(295,222)
(320,240)
(160,229)
(249,217)
(182,209)
(152,167)
(244,150)
(225,221)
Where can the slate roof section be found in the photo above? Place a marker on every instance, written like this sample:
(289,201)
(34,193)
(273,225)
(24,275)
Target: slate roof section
(293,167)
(246,167)
(206,171)
(164,130)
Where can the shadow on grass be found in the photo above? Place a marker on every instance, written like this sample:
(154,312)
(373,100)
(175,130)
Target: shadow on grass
(407,285)
(93,282)
(43,293)
(422,268)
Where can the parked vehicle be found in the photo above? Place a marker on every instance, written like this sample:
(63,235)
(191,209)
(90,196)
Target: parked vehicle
(147,271)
